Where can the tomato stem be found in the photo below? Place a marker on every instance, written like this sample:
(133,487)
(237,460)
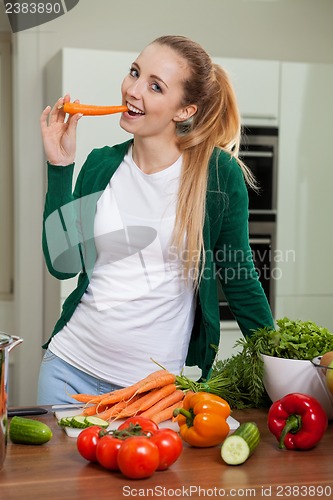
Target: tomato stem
(131,430)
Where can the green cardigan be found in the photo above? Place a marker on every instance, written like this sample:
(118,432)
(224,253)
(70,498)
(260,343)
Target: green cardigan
(69,249)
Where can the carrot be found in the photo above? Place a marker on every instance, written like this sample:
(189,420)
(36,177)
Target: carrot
(93,410)
(118,394)
(83,398)
(167,413)
(147,400)
(92,110)
(153,381)
(89,411)
(162,404)
(166,378)
(115,409)
(132,408)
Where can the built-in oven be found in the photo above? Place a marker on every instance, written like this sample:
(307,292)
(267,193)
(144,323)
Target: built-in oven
(262,243)
(259,150)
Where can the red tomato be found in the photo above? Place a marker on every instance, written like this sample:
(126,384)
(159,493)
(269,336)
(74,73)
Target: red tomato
(87,442)
(107,451)
(138,457)
(146,424)
(170,446)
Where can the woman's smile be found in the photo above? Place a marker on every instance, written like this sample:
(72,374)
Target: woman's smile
(133,110)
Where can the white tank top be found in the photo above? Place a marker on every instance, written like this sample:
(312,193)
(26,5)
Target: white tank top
(138,306)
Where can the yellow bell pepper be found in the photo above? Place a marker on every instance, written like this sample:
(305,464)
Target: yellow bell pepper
(202,419)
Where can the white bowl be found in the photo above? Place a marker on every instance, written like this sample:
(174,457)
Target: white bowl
(284,376)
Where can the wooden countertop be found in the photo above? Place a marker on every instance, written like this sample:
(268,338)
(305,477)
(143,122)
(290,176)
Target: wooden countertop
(56,470)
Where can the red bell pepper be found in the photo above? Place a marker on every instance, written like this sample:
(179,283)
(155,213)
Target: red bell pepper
(298,421)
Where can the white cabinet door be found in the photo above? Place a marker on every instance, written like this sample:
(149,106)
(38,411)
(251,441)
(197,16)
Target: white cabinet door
(305,202)
(94,77)
(256,84)
(230,334)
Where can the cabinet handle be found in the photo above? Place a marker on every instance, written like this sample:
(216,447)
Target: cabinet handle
(256,154)
(260,241)
(265,117)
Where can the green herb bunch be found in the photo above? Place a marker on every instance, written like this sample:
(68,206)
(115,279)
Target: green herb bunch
(295,340)
(242,374)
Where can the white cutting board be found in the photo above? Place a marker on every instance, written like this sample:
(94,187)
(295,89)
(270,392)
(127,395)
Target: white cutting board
(68,412)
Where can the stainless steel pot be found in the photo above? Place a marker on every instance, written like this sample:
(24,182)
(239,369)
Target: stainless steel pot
(7,342)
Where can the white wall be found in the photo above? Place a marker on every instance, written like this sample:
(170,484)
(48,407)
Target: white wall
(297,31)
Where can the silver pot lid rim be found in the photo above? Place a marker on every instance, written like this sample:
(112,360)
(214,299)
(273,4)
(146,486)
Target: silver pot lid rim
(5,339)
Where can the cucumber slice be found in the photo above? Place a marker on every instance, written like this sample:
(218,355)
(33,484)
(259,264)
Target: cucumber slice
(97,421)
(65,421)
(79,422)
(82,422)
(240,445)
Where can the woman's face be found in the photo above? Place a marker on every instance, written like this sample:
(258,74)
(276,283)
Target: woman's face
(153,92)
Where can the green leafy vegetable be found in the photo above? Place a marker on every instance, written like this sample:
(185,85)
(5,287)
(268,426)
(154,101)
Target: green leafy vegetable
(294,340)
(242,374)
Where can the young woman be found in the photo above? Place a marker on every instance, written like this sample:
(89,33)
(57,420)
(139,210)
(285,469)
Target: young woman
(151,226)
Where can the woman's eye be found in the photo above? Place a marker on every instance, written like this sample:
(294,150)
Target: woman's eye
(134,72)
(156,87)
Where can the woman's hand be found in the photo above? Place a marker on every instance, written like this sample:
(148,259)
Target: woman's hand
(59,136)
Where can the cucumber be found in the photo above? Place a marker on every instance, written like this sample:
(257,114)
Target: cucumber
(240,445)
(28,431)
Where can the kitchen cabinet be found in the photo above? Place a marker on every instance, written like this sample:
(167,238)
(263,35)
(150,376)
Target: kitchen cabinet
(6,181)
(256,83)
(93,77)
(303,270)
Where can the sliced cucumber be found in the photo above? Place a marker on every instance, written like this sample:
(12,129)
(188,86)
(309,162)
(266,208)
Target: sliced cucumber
(240,445)
(97,421)
(82,422)
(78,422)
(65,422)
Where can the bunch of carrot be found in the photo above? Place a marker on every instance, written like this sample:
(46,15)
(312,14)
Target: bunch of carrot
(154,397)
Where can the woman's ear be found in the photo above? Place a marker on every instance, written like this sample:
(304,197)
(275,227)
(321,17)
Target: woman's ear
(185,113)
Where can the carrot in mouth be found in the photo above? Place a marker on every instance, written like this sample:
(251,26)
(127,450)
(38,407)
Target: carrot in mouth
(91,109)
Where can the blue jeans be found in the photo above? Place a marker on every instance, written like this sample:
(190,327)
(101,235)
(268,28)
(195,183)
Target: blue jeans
(58,380)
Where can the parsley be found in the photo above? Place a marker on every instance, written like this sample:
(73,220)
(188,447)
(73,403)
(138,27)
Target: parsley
(295,340)
(244,370)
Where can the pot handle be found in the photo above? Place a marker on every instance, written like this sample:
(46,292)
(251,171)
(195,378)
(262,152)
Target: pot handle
(17,340)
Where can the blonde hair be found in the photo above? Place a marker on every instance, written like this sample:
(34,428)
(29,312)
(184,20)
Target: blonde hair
(215,124)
